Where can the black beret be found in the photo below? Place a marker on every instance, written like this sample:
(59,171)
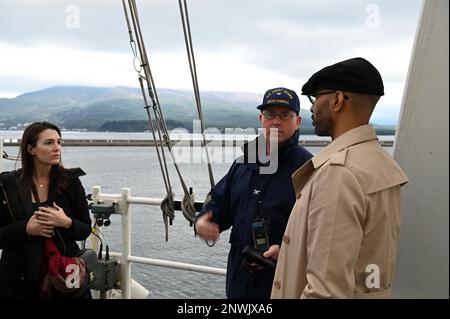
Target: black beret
(354,75)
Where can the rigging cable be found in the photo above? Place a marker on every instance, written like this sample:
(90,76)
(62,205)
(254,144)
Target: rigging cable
(167,205)
(190,52)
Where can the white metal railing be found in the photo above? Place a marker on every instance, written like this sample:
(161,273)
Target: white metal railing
(123,202)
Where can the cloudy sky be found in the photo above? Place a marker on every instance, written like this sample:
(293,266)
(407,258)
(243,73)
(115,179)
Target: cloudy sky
(240,45)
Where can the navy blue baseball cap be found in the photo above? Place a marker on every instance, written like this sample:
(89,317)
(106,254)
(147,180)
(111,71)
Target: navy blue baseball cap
(282,97)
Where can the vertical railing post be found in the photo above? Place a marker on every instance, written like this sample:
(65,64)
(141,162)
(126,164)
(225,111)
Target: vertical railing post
(96,193)
(125,277)
(1,154)
(96,196)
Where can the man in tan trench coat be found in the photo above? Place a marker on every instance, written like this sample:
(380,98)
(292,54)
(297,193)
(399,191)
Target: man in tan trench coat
(342,234)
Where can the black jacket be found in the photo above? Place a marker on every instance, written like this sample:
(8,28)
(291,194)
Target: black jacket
(21,259)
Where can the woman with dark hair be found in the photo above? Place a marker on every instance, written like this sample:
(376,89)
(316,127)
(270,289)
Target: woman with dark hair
(42,200)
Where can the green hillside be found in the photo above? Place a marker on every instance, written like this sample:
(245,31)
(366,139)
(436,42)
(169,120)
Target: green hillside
(122,109)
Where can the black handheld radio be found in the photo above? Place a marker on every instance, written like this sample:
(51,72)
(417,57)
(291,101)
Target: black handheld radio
(260,232)
(260,236)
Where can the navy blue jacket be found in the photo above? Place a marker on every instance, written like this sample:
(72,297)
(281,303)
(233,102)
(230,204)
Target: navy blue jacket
(239,197)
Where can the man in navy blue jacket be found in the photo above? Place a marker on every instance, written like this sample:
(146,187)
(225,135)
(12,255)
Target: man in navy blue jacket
(257,191)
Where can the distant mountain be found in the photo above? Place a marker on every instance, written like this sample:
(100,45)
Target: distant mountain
(122,109)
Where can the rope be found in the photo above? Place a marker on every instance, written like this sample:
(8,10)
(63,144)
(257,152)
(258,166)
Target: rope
(209,243)
(132,42)
(187,208)
(190,52)
(168,211)
(167,206)
(164,170)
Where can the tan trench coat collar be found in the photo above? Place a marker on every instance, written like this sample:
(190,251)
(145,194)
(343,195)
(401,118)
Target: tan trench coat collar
(357,135)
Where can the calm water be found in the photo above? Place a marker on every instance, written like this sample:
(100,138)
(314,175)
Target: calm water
(137,168)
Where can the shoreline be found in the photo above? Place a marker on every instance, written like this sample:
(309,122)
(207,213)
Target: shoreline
(191,143)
